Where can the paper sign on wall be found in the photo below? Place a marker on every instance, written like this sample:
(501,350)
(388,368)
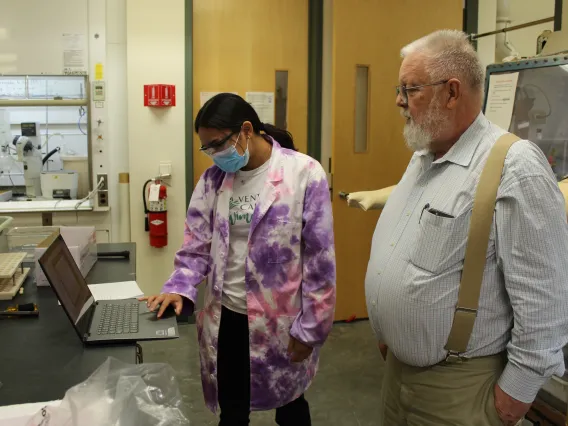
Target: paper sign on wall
(205,96)
(501,98)
(74,53)
(263,104)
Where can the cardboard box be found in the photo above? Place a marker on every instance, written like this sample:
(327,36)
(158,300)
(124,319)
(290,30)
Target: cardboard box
(82,243)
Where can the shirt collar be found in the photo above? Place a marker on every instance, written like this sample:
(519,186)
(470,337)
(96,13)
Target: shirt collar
(462,151)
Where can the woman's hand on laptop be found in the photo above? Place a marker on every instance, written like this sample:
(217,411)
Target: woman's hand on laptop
(164,300)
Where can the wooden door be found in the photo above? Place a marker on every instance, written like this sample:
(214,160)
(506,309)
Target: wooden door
(367,38)
(239,45)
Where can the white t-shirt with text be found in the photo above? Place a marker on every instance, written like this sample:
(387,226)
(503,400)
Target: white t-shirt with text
(247,188)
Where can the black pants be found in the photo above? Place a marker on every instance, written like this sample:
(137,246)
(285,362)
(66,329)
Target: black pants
(233,372)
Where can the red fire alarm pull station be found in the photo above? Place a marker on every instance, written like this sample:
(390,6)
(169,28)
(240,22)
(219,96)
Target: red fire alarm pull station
(159,95)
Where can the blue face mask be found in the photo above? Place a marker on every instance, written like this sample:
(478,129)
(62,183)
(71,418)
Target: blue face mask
(230,160)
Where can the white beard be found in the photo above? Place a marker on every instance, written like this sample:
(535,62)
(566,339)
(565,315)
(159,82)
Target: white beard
(419,137)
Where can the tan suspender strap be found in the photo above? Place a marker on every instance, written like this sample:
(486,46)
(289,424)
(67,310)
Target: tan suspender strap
(476,249)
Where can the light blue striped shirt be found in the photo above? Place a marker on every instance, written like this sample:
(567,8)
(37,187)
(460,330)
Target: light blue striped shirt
(417,259)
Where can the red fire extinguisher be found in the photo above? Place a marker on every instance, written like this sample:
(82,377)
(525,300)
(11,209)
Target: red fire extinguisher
(156,211)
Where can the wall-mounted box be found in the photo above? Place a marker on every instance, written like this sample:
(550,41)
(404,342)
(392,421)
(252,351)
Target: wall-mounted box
(159,95)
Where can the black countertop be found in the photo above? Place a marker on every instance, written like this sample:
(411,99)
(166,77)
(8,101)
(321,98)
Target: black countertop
(40,358)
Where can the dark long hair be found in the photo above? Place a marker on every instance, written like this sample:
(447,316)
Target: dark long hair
(230,111)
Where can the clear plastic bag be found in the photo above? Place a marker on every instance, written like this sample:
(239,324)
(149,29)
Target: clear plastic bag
(119,394)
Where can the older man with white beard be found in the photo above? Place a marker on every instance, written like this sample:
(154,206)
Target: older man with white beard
(419,247)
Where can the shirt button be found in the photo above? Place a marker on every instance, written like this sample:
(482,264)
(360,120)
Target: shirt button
(374,303)
(379,273)
(392,244)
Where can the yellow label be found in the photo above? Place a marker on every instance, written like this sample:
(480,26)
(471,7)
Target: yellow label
(98,71)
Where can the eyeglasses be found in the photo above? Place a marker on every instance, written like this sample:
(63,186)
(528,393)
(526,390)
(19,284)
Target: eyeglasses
(214,147)
(403,90)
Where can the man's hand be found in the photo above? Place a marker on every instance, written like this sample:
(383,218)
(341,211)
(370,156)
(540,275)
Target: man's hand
(384,349)
(164,300)
(510,410)
(298,351)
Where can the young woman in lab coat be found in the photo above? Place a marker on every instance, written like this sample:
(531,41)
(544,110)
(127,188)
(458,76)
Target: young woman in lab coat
(259,230)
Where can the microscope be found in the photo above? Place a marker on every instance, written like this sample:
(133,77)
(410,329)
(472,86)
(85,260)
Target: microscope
(28,148)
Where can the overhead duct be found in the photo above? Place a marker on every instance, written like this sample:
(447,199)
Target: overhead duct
(503,47)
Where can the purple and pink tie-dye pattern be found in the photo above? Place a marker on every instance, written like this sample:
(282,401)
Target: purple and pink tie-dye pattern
(290,273)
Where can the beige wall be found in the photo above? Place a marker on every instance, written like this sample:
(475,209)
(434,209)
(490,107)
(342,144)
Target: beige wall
(156,38)
(487,17)
(521,11)
(525,11)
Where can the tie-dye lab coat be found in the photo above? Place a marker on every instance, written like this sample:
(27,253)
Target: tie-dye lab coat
(290,273)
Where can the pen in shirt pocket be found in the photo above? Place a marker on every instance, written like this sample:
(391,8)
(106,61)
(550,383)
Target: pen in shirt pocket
(435,212)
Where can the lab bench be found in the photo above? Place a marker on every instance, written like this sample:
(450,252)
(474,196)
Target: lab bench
(41,357)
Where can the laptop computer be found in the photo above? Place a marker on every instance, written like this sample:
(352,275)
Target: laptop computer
(103,321)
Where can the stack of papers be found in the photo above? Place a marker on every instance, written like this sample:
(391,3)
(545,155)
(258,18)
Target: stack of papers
(116,291)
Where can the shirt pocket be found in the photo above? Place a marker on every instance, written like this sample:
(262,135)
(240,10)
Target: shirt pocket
(285,242)
(440,242)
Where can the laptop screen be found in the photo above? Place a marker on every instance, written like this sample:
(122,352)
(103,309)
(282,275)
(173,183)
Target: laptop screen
(68,283)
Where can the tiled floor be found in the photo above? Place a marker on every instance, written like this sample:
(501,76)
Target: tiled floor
(345,391)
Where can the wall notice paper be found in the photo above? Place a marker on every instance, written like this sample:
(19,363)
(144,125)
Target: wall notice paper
(205,96)
(501,98)
(263,104)
(74,52)
(19,415)
(116,291)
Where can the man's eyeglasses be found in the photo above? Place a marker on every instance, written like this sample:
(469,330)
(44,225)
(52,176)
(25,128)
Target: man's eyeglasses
(213,147)
(403,90)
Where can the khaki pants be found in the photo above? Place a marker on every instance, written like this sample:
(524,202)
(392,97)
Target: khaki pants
(452,394)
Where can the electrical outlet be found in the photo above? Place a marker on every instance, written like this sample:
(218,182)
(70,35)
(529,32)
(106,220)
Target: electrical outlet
(103,198)
(104,177)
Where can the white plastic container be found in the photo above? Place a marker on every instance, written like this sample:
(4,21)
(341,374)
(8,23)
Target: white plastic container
(26,239)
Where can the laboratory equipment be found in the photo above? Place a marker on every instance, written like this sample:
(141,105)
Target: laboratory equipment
(29,153)
(53,112)
(12,274)
(28,148)
(59,185)
(540,102)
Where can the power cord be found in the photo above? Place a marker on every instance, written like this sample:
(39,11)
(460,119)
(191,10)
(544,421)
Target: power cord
(91,194)
(82,113)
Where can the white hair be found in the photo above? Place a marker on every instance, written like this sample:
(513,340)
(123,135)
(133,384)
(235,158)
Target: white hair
(449,54)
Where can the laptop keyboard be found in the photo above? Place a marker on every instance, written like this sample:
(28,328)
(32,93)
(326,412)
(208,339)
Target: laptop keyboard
(119,319)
